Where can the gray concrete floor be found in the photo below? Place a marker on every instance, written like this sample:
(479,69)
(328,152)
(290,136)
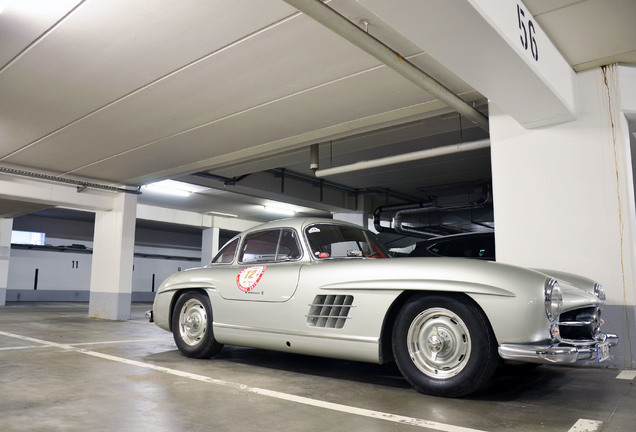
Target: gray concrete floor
(62,371)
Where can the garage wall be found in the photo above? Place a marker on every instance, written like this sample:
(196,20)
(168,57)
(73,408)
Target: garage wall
(564,196)
(63,275)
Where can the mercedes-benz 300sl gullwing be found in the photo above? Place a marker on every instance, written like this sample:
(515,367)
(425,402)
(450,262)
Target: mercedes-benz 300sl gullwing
(329,288)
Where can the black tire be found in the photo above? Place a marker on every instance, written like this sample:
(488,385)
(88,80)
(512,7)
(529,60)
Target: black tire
(444,346)
(192,326)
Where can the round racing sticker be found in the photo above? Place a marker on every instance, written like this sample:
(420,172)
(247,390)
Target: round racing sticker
(249,277)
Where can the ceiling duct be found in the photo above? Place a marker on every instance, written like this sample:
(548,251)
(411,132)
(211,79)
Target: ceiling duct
(340,25)
(406,219)
(406,157)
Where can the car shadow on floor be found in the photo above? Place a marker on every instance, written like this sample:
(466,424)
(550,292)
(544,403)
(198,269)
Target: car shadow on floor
(509,382)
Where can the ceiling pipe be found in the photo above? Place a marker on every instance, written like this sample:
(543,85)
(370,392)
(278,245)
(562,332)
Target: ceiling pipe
(314,157)
(337,23)
(406,157)
(81,185)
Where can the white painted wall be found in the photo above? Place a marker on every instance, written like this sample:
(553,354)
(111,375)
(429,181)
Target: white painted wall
(70,272)
(564,195)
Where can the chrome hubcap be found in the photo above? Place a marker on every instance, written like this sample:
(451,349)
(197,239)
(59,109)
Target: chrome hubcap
(193,322)
(439,343)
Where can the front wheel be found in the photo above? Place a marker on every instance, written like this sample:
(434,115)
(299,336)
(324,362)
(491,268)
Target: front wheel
(192,326)
(443,345)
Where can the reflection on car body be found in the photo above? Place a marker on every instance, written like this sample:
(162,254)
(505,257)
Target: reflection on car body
(329,288)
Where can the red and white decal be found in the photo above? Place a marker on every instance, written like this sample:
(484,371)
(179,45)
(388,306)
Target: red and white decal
(249,277)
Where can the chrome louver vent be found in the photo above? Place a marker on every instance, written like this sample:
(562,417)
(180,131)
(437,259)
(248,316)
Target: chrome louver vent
(330,311)
(580,326)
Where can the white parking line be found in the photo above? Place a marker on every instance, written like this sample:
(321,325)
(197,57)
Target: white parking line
(584,425)
(411,421)
(84,343)
(627,375)
(20,347)
(121,341)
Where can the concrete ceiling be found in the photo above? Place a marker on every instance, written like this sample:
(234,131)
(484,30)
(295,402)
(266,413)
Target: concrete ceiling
(126,93)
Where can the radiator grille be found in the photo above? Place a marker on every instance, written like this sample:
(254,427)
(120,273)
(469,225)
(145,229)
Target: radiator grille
(330,311)
(580,326)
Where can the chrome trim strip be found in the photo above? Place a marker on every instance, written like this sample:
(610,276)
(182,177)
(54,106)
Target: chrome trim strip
(580,342)
(330,305)
(575,323)
(373,340)
(558,354)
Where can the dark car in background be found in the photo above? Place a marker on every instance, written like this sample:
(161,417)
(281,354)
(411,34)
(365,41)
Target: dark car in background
(478,245)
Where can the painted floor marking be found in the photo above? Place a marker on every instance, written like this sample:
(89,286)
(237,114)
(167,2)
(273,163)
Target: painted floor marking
(411,421)
(21,347)
(627,375)
(121,341)
(84,343)
(584,425)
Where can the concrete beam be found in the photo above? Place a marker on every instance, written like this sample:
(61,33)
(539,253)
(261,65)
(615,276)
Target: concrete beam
(201,220)
(53,194)
(496,47)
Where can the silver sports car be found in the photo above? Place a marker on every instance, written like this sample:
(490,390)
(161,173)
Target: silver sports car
(328,288)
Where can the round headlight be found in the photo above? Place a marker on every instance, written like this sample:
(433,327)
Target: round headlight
(599,292)
(553,299)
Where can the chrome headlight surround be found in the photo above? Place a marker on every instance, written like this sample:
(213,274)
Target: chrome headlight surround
(599,292)
(553,298)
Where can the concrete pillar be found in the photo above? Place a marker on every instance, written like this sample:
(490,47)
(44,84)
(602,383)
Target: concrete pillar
(113,252)
(564,196)
(210,239)
(6,226)
(358,218)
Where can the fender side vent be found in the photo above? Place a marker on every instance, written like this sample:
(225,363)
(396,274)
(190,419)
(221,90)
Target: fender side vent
(329,311)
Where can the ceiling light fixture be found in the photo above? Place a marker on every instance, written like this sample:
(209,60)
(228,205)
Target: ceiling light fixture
(287,211)
(173,188)
(216,213)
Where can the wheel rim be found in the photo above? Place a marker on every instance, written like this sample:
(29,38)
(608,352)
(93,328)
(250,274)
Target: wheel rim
(193,322)
(439,343)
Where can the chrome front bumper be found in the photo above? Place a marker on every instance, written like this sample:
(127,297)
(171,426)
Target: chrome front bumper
(149,316)
(554,354)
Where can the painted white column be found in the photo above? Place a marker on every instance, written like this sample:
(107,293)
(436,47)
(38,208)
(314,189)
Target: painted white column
(564,196)
(113,252)
(358,218)
(210,239)
(6,226)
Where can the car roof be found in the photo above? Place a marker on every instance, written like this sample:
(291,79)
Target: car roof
(298,223)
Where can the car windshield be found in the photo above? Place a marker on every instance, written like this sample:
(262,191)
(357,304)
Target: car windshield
(340,241)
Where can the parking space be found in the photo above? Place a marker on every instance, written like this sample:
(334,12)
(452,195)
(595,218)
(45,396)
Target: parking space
(60,370)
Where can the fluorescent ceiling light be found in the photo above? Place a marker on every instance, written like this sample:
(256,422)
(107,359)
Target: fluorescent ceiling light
(174,188)
(280,209)
(216,213)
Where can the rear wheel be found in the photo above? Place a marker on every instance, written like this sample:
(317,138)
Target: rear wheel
(444,345)
(192,326)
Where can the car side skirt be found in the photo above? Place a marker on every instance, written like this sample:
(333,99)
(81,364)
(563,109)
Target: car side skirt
(365,349)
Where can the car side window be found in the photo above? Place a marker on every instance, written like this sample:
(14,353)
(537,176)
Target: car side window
(288,249)
(335,241)
(226,254)
(270,246)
